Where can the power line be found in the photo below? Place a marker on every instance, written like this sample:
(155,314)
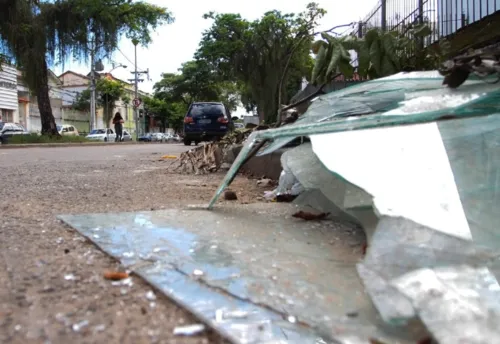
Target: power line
(129,60)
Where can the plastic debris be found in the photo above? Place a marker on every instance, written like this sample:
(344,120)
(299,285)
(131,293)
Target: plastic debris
(79,326)
(270,195)
(189,330)
(169,157)
(69,277)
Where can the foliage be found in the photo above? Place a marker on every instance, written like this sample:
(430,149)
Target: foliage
(36,138)
(37,33)
(196,82)
(82,101)
(108,93)
(379,54)
(171,114)
(255,54)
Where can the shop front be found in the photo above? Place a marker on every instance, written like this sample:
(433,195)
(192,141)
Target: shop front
(8,94)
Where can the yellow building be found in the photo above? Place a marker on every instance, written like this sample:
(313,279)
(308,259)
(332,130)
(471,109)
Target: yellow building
(74,83)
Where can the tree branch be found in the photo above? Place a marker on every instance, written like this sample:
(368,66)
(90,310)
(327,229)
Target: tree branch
(335,28)
(285,71)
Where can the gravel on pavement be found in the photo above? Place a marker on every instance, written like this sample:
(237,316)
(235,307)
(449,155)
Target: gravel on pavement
(52,288)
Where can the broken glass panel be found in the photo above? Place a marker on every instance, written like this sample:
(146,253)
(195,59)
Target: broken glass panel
(372,97)
(419,171)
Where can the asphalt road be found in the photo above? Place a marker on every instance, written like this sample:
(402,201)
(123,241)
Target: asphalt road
(52,288)
(15,156)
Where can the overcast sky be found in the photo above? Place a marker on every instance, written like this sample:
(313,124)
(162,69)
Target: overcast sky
(176,43)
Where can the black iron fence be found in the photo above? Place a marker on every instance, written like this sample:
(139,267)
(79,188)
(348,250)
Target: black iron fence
(444,17)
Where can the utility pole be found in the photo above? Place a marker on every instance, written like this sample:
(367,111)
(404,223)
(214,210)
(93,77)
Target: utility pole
(136,80)
(92,89)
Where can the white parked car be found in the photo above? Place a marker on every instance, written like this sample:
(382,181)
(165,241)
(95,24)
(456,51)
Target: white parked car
(106,135)
(157,137)
(67,130)
(126,136)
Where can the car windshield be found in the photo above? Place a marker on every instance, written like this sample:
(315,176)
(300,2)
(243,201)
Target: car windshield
(1,125)
(97,131)
(59,127)
(207,109)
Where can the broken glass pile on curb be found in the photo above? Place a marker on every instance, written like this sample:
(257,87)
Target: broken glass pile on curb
(416,165)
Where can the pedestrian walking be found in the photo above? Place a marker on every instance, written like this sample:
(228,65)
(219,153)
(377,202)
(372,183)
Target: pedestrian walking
(118,122)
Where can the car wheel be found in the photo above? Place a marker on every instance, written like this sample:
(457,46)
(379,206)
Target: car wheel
(187,142)
(105,139)
(196,143)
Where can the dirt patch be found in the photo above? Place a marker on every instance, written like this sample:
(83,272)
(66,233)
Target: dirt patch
(52,288)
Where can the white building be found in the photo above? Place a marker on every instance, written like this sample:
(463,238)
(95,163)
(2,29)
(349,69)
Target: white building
(8,94)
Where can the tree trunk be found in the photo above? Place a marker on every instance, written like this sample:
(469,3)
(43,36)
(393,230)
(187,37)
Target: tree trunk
(43,99)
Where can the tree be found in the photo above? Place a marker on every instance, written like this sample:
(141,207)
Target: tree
(196,82)
(37,33)
(108,93)
(170,114)
(262,55)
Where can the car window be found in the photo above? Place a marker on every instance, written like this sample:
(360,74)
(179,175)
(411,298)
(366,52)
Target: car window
(71,129)
(125,132)
(110,131)
(65,130)
(207,110)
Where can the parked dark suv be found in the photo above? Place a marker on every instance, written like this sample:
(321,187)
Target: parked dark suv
(206,121)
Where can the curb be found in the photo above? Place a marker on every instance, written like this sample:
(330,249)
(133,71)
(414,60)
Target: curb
(75,144)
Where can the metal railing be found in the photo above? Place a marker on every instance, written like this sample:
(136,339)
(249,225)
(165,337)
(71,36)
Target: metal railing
(444,17)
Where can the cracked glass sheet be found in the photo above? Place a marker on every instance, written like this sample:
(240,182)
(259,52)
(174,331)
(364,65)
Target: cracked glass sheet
(459,304)
(400,246)
(380,96)
(423,105)
(254,259)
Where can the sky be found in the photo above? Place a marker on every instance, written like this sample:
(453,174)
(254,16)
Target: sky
(176,43)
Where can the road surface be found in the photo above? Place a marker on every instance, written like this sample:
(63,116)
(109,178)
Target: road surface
(51,284)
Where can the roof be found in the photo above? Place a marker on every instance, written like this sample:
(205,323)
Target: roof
(74,73)
(109,75)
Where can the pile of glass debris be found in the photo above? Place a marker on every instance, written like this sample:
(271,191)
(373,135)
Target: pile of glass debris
(415,164)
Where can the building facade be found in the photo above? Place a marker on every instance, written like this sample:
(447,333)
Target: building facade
(8,94)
